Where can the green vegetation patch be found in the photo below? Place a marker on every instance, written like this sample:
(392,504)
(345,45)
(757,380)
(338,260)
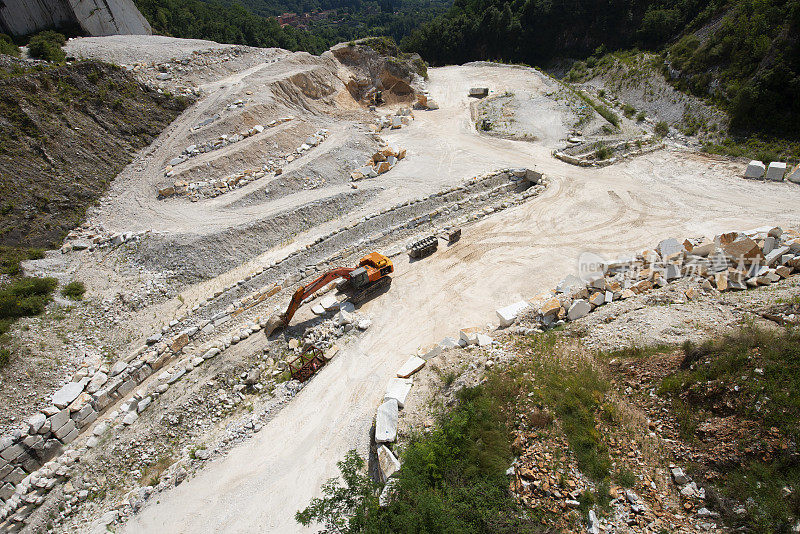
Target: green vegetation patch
(754,376)
(602,110)
(7,46)
(26,297)
(10,258)
(758,148)
(47,46)
(453,480)
(74,290)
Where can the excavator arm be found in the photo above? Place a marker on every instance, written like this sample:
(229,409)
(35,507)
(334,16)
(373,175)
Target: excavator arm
(303,292)
(371,274)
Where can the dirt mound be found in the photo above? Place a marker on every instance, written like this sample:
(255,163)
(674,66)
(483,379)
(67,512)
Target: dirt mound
(67,132)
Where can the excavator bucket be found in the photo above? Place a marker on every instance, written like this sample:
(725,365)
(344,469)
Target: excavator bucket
(273,323)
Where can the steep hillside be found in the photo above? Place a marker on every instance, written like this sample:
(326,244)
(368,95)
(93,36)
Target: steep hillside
(66,132)
(742,55)
(748,60)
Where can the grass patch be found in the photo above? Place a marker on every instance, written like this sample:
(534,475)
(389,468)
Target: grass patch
(8,47)
(10,258)
(602,152)
(761,149)
(570,388)
(152,474)
(662,129)
(26,297)
(602,110)
(74,290)
(628,110)
(625,478)
(635,352)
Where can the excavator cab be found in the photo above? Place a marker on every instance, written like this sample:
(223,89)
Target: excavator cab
(371,268)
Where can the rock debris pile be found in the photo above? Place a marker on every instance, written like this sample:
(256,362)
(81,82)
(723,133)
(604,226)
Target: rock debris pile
(380,162)
(731,261)
(220,142)
(402,117)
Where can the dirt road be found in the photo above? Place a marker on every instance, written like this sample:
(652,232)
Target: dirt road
(517,253)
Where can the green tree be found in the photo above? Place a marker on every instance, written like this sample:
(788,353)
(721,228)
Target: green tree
(343,509)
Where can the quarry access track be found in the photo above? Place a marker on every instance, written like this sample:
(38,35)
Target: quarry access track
(516,253)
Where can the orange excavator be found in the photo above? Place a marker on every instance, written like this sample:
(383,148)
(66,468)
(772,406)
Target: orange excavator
(368,278)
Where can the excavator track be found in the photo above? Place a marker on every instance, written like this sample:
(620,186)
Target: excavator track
(424,247)
(376,288)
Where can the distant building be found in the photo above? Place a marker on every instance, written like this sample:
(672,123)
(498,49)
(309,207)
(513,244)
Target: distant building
(302,20)
(95,17)
(287,19)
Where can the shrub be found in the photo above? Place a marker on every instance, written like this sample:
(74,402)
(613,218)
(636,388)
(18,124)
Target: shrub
(763,367)
(604,112)
(47,46)
(628,110)
(5,357)
(7,46)
(662,128)
(74,290)
(640,116)
(602,152)
(421,67)
(10,257)
(26,297)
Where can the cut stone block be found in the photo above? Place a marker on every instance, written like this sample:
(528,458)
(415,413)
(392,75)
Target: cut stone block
(469,335)
(578,309)
(65,429)
(329,303)
(509,314)
(597,299)
(794,176)
(398,389)
(755,170)
(386,422)
(774,257)
(412,365)
(448,343)
(68,393)
(388,463)
(670,246)
(776,171)
(743,248)
(432,352)
(550,307)
(59,419)
(570,284)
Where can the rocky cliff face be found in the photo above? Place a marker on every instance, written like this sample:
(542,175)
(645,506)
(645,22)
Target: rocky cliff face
(95,17)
